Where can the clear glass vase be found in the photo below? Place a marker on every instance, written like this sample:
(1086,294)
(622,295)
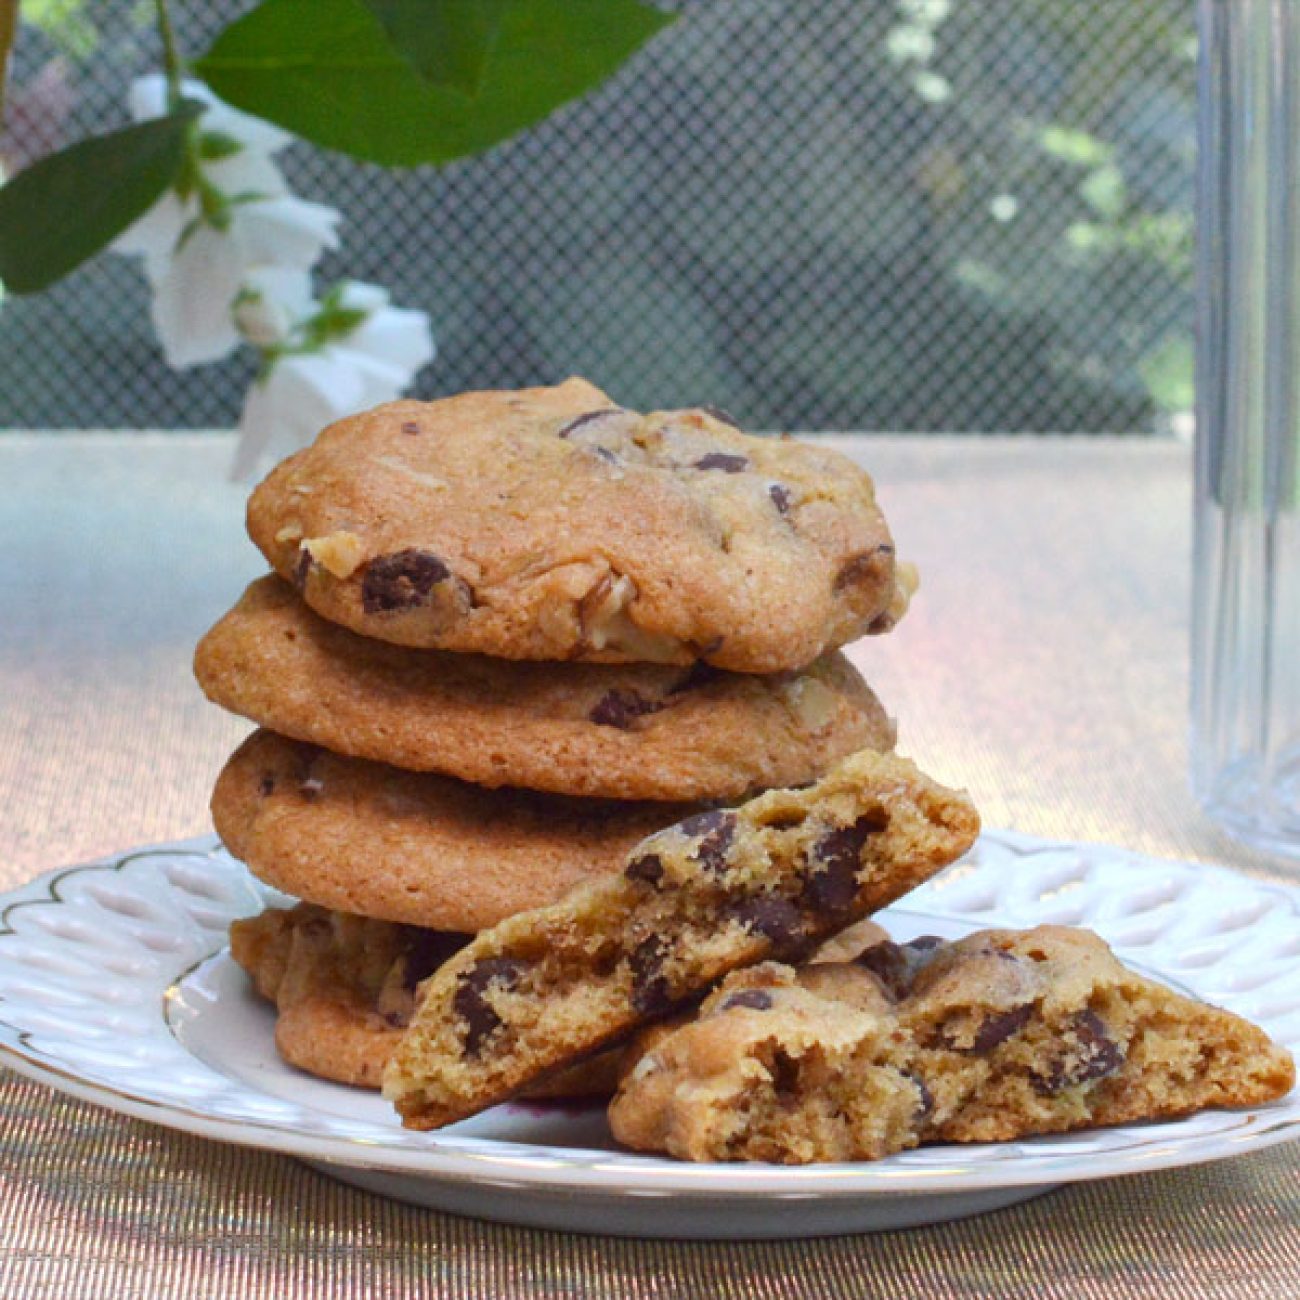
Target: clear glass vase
(1246,579)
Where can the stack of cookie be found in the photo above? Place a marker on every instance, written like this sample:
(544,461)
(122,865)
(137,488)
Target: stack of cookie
(507,636)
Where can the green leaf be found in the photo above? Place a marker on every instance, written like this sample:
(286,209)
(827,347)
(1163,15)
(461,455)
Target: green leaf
(63,210)
(447,42)
(326,70)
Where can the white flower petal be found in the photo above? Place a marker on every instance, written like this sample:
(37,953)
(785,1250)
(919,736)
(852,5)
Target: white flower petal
(357,295)
(379,380)
(398,336)
(154,235)
(287,409)
(246,172)
(286,231)
(191,306)
(252,132)
(257,424)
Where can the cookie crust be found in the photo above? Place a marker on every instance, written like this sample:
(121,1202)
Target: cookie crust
(411,847)
(639,731)
(548,523)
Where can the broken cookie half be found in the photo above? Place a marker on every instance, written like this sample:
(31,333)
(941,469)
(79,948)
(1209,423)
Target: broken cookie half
(719,891)
(999,1035)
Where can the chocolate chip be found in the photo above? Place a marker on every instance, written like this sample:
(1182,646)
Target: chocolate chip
(785,1074)
(410,426)
(832,884)
(772,916)
(719,414)
(924,1097)
(401,581)
(697,675)
(302,567)
(724,461)
(753,999)
(716,830)
(1093,1055)
(859,568)
(588,417)
(621,708)
(650,994)
(429,949)
(648,867)
(471,1005)
(996,1028)
(781,497)
(266,785)
(881,623)
(889,964)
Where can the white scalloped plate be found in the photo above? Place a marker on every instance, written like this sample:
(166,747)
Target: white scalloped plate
(115,987)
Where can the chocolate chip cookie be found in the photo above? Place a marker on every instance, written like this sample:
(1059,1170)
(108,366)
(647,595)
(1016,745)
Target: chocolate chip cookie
(344,989)
(413,847)
(549,523)
(720,890)
(999,1035)
(639,731)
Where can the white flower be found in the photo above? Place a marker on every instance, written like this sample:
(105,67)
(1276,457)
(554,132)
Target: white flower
(194,295)
(195,266)
(304,391)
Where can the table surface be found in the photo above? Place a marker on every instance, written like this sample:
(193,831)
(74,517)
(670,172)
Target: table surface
(1043,666)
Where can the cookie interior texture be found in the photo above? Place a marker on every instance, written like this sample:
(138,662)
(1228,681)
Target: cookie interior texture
(413,847)
(640,731)
(722,890)
(548,523)
(1000,1035)
(344,988)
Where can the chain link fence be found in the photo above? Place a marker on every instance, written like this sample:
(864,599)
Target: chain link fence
(818,214)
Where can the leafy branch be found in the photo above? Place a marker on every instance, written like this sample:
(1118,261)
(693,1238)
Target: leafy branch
(396,82)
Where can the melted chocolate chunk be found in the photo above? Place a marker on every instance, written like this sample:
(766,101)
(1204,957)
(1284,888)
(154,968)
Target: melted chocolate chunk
(470,1002)
(997,1027)
(832,883)
(650,994)
(772,916)
(785,1074)
(699,674)
(858,568)
(881,623)
(889,964)
(1093,1055)
(621,708)
(266,786)
(401,581)
(648,867)
(302,568)
(716,830)
(724,461)
(924,1097)
(429,949)
(754,999)
(781,497)
(719,414)
(410,426)
(588,417)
